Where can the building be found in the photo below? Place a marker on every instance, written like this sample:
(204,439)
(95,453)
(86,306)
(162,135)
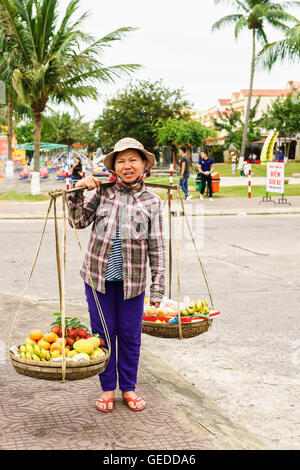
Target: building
(238,102)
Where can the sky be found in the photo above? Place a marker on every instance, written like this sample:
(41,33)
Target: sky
(174,42)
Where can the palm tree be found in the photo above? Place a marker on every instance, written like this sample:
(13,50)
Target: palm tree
(254,15)
(50,60)
(287,49)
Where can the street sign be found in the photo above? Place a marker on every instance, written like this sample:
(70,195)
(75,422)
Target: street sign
(275,177)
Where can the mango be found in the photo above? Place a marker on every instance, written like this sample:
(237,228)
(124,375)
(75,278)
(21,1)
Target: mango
(84,346)
(72,353)
(29,341)
(94,341)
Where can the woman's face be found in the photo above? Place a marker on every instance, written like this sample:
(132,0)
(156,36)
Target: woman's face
(129,165)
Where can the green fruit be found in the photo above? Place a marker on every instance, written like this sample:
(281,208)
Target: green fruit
(36,350)
(35,357)
(185,313)
(28,349)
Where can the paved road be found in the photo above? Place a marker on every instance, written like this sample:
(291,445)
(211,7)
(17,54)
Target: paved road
(247,364)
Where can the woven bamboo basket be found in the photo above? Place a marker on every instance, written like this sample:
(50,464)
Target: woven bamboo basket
(53,370)
(165,330)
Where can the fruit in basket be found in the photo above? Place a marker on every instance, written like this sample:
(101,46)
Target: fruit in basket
(35,357)
(55,353)
(94,341)
(43,344)
(29,341)
(55,329)
(184,313)
(28,355)
(199,305)
(82,333)
(22,355)
(28,349)
(70,341)
(50,337)
(36,335)
(84,346)
(56,347)
(97,353)
(72,353)
(73,333)
(23,348)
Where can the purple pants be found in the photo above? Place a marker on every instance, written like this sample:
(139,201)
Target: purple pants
(124,321)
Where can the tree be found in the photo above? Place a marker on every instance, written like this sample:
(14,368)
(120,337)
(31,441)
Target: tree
(287,49)
(283,115)
(255,14)
(50,60)
(182,132)
(230,121)
(135,111)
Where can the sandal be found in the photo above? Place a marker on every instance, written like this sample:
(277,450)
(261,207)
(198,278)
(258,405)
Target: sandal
(102,400)
(134,400)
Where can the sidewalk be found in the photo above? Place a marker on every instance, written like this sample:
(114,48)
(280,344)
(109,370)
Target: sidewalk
(38,414)
(217,207)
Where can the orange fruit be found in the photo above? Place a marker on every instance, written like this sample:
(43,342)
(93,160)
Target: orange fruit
(50,337)
(60,340)
(43,344)
(55,346)
(160,314)
(36,335)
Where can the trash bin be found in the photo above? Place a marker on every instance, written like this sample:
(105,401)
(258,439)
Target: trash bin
(198,182)
(215,183)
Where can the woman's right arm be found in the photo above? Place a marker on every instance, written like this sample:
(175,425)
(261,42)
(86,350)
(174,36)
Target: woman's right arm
(83,209)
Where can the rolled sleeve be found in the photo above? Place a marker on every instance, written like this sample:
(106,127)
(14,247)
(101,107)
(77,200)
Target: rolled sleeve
(83,209)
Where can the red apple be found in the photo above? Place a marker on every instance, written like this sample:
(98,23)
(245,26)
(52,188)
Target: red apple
(82,333)
(73,333)
(70,341)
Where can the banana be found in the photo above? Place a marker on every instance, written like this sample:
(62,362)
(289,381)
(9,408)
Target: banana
(190,310)
(199,305)
(193,306)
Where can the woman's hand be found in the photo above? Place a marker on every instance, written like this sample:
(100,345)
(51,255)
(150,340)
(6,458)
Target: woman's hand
(88,183)
(155,304)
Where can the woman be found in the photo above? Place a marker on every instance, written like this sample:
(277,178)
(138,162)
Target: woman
(127,229)
(76,170)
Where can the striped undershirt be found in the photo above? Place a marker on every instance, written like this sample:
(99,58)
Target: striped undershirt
(114,270)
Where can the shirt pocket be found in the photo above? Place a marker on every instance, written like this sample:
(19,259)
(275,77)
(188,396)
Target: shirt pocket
(102,221)
(139,226)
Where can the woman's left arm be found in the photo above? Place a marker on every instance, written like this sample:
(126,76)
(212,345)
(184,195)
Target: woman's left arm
(157,255)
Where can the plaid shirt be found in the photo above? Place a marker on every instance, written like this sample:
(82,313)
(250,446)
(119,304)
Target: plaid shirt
(139,213)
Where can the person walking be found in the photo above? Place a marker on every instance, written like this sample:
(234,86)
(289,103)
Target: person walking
(206,167)
(127,230)
(184,173)
(233,162)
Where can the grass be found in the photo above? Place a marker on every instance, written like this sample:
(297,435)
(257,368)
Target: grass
(224,169)
(14,196)
(240,191)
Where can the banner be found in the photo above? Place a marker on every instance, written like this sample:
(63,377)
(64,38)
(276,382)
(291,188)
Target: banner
(268,147)
(275,177)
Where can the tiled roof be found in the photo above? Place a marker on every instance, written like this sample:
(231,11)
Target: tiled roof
(266,92)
